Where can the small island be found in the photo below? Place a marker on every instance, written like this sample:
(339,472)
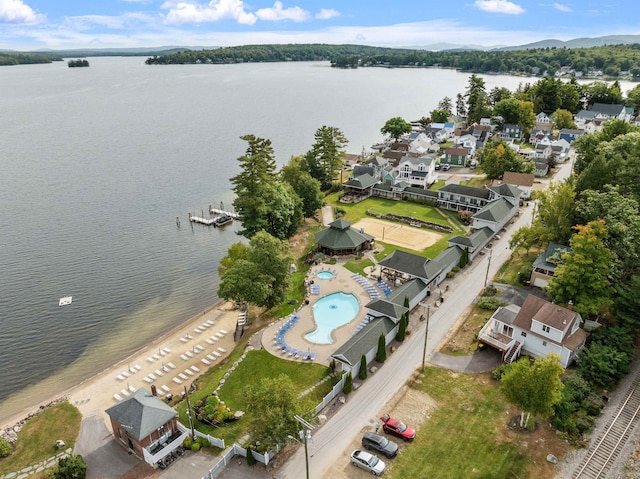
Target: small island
(78,63)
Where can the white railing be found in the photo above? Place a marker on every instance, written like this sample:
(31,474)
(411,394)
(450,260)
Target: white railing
(165,451)
(214,441)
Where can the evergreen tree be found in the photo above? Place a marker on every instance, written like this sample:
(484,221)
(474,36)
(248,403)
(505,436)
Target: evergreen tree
(362,373)
(348,384)
(326,156)
(381,354)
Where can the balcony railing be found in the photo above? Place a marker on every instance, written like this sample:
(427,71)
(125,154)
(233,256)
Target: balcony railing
(493,338)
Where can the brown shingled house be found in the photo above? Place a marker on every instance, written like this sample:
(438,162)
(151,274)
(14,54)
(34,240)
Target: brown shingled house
(537,328)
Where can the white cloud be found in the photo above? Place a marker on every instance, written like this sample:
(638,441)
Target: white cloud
(499,6)
(277,13)
(561,7)
(16,11)
(214,11)
(327,13)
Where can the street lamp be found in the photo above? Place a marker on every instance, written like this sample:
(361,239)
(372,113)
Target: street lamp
(426,335)
(305,434)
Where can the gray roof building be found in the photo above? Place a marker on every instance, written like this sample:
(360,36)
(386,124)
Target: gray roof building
(351,352)
(141,413)
(387,308)
(341,237)
(495,211)
(413,265)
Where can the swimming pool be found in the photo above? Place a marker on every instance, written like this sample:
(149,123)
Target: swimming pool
(325,275)
(330,312)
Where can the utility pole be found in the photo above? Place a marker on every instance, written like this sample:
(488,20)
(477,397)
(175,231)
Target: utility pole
(305,434)
(189,413)
(426,335)
(486,276)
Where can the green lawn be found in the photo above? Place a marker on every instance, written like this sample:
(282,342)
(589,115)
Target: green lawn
(464,436)
(37,439)
(508,272)
(256,365)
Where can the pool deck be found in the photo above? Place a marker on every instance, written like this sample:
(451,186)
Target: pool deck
(341,282)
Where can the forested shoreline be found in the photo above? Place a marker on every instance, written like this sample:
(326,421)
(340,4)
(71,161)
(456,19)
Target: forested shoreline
(610,61)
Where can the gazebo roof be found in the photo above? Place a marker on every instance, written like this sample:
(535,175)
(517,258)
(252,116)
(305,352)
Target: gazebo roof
(341,236)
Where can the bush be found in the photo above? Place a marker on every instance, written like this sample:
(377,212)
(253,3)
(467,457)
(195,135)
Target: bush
(490,303)
(188,442)
(500,371)
(203,441)
(6,449)
(250,459)
(72,467)
(195,447)
(489,291)
(524,275)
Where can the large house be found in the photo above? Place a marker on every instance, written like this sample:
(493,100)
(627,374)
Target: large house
(419,172)
(537,328)
(455,156)
(523,181)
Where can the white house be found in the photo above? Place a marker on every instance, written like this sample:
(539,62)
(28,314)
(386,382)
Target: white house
(420,172)
(537,328)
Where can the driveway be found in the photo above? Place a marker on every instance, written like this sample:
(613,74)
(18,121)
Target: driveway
(104,457)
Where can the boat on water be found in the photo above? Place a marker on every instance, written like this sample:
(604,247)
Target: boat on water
(222,220)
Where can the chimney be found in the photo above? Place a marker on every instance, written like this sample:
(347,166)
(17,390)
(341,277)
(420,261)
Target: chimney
(153,390)
(570,305)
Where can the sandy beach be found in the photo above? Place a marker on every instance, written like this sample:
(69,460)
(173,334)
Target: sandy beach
(206,336)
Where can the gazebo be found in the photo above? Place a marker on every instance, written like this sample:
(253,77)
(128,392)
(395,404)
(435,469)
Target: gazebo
(341,238)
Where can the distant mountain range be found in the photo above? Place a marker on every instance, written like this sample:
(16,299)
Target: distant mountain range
(586,42)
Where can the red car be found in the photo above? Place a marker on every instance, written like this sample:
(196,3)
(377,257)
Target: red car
(397,428)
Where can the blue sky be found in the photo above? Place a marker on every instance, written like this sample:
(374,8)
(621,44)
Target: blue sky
(57,24)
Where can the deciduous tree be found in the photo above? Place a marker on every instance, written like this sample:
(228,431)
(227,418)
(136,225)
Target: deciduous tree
(273,404)
(496,158)
(260,275)
(562,119)
(306,187)
(396,127)
(584,276)
(439,116)
(534,386)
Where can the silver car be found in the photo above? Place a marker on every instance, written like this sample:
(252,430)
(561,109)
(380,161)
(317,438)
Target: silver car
(368,462)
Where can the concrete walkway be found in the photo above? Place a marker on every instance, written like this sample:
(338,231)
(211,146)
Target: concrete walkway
(480,362)
(327,215)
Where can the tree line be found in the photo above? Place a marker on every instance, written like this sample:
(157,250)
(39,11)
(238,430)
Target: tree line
(611,60)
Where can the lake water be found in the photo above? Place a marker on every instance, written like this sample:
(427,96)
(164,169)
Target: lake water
(96,164)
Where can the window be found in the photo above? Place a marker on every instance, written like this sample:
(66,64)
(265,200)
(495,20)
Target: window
(523,334)
(544,343)
(546,328)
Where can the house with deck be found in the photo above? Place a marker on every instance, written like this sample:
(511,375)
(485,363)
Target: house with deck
(419,172)
(536,328)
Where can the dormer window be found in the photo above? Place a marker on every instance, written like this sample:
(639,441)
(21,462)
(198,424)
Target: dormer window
(546,328)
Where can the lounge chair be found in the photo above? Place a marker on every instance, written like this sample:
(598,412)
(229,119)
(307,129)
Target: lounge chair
(183,376)
(209,341)
(117,397)
(211,357)
(189,372)
(205,361)
(166,388)
(312,357)
(224,331)
(222,350)
(171,365)
(124,392)
(293,352)
(177,381)
(298,354)
(158,373)
(195,369)
(305,355)
(286,349)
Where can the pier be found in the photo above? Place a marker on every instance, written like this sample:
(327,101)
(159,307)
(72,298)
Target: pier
(221,211)
(203,221)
